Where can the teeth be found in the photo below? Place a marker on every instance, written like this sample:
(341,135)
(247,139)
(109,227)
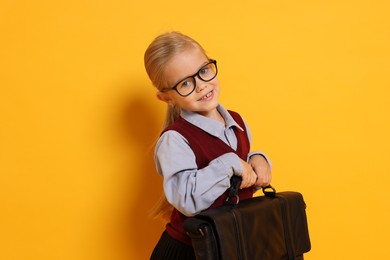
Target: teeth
(208,95)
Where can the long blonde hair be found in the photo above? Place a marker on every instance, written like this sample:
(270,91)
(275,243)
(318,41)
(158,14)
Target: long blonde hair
(162,49)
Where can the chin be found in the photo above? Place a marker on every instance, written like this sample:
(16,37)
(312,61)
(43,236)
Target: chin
(210,107)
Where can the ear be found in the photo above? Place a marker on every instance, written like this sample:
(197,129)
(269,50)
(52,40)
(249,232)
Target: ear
(164,97)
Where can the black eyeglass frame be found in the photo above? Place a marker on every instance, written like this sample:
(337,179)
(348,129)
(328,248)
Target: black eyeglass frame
(193,77)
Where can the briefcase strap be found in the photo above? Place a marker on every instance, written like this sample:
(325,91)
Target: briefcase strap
(233,198)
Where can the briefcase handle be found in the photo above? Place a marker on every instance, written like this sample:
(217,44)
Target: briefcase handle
(269,191)
(235,182)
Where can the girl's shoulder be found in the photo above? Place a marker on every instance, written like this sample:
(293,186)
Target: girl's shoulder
(170,139)
(181,126)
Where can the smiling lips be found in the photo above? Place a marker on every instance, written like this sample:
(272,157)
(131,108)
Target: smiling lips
(207,96)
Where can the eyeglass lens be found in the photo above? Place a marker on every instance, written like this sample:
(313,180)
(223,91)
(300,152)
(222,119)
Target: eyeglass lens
(206,73)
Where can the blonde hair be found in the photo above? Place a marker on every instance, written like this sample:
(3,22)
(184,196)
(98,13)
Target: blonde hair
(162,49)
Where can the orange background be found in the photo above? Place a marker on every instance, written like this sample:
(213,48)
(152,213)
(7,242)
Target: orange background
(79,118)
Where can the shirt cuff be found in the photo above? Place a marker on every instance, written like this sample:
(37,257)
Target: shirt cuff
(262,154)
(232,163)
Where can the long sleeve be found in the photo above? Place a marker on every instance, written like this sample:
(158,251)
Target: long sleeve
(187,188)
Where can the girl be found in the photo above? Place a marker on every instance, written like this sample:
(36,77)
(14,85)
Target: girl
(202,145)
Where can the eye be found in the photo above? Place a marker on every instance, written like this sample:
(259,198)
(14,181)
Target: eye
(187,83)
(204,70)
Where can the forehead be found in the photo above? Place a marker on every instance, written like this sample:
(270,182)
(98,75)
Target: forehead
(184,64)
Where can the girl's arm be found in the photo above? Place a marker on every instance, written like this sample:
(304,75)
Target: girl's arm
(188,189)
(262,170)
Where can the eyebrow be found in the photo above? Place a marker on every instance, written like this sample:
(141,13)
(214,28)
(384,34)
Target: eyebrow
(177,82)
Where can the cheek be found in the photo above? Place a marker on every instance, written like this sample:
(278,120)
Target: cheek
(216,85)
(180,101)
(215,81)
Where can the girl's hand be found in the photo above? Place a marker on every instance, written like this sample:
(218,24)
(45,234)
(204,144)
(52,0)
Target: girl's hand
(262,170)
(248,175)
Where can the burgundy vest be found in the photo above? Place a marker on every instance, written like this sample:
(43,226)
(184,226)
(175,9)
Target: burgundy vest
(206,148)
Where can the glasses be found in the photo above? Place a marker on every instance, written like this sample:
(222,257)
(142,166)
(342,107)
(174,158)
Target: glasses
(186,86)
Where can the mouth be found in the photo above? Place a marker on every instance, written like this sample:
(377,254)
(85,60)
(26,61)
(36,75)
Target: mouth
(208,96)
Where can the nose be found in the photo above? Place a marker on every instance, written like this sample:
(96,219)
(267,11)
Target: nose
(200,85)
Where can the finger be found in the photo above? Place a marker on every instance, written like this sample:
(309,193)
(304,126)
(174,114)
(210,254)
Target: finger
(243,183)
(246,182)
(267,179)
(255,177)
(265,183)
(259,180)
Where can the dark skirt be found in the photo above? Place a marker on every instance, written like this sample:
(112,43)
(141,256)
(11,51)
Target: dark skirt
(168,248)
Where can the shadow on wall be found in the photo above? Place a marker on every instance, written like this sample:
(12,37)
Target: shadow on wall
(138,231)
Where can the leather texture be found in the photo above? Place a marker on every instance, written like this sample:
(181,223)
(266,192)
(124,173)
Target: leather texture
(270,227)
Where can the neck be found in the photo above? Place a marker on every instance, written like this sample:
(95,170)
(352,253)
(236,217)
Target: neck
(216,116)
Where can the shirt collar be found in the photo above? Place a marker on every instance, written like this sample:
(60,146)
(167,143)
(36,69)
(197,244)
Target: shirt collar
(209,125)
